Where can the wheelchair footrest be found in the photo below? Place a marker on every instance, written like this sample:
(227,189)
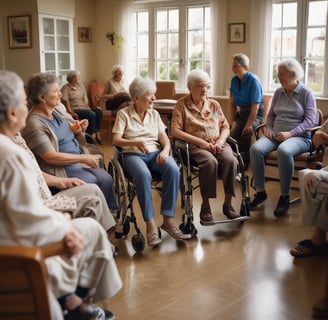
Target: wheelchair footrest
(214,222)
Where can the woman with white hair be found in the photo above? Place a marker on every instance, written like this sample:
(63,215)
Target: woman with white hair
(115,93)
(201,122)
(293,111)
(140,131)
(246,99)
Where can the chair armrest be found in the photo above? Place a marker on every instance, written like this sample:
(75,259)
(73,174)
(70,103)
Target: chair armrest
(53,249)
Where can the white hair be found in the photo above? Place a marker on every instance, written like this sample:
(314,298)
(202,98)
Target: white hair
(196,75)
(11,86)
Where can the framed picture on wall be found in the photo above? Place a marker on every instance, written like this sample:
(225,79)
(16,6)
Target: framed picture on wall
(84,34)
(19,32)
(236,32)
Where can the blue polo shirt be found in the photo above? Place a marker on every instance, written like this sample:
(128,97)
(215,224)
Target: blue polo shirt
(247,91)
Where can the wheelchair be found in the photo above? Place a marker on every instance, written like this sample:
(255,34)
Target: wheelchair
(189,173)
(125,192)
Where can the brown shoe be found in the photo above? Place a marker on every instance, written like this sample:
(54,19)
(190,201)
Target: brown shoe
(230,212)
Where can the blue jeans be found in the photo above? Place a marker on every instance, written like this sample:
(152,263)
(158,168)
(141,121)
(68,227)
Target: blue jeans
(94,117)
(286,151)
(140,167)
(97,176)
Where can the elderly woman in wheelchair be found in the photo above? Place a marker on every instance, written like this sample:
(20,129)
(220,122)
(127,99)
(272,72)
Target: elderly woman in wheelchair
(200,121)
(140,132)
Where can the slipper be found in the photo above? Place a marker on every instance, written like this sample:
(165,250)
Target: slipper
(206,215)
(306,248)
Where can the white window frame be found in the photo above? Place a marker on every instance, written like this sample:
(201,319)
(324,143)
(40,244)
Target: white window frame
(60,73)
(151,7)
(302,27)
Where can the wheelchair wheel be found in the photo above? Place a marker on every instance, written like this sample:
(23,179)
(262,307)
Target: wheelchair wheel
(116,171)
(138,242)
(188,228)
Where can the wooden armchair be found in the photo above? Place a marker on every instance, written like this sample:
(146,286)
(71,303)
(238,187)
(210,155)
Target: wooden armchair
(96,89)
(165,90)
(24,282)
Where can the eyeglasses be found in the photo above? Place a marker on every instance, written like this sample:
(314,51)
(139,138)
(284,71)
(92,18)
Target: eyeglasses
(201,87)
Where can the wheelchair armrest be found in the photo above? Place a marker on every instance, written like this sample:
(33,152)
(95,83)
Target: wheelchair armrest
(178,143)
(258,128)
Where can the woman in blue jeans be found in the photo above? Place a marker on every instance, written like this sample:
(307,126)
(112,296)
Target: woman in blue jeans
(292,112)
(140,132)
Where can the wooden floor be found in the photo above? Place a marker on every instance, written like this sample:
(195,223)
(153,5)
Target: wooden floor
(228,271)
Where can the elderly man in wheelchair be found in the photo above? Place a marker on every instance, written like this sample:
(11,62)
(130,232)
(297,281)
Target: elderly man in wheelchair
(200,122)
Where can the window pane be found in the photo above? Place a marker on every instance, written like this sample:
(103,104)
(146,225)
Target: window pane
(195,44)
(161,21)
(174,71)
(174,20)
(317,13)
(63,43)
(162,70)
(207,51)
(276,44)
(142,46)
(314,75)
(143,69)
(289,43)
(142,22)
(195,18)
(290,15)
(62,27)
(161,46)
(48,26)
(207,18)
(315,44)
(276,15)
(173,52)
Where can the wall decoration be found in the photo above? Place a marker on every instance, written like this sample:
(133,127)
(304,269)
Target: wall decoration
(84,34)
(116,40)
(236,32)
(19,32)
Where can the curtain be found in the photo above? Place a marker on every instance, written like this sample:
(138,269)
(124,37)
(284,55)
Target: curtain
(123,26)
(260,31)
(219,13)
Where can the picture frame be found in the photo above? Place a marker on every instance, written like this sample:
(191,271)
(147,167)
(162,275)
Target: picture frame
(84,34)
(237,33)
(19,32)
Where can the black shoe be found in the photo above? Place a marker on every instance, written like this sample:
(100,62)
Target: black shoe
(109,315)
(282,206)
(91,312)
(259,198)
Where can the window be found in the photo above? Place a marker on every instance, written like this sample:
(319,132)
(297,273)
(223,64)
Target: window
(299,31)
(179,43)
(56,46)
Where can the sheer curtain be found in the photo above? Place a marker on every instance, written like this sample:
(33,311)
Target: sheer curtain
(219,12)
(123,24)
(260,30)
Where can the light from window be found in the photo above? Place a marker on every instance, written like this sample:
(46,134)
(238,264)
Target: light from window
(167,44)
(141,45)
(198,39)
(291,38)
